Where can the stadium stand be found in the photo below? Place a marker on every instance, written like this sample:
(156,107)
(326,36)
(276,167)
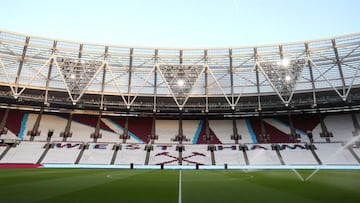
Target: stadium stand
(223,129)
(167,130)
(190,128)
(138,129)
(303,123)
(14,122)
(334,153)
(116,128)
(229,154)
(47,122)
(141,128)
(255,127)
(276,135)
(196,155)
(9,136)
(262,154)
(97,153)
(296,154)
(165,154)
(131,154)
(80,132)
(63,152)
(339,125)
(245,132)
(25,152)
(206,135)
(292,153)
(3,147)
(356,150)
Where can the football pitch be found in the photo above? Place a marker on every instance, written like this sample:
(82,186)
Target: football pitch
(174,186)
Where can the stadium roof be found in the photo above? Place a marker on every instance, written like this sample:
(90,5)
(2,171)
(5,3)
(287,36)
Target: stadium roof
(294,75)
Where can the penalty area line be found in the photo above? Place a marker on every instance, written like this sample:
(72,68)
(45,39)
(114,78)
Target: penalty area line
(298,175)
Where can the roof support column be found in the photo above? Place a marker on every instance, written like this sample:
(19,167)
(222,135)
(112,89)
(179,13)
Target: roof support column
(81,47)
(257,79)
(130,75)
(155,78)
(181,56)
(231,80)
(129,79)
(49,72)
(308,55)
(338,62)
(206,81)
(104,78)
(21,63)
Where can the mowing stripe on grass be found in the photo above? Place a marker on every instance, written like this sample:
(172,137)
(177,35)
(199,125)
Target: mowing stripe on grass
(179,201)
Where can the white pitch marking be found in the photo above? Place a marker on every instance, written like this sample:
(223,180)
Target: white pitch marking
(298,174)
(180,200)
(311,175)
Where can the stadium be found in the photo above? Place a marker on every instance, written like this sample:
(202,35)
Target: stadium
(86,120)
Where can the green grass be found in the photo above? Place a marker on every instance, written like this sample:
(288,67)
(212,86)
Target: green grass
(208,186)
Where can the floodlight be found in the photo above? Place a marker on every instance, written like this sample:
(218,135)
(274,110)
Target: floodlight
(287,78)
(283,62)
(180,82)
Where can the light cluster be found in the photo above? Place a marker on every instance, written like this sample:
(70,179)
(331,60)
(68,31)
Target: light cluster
(283,74)
(77,73)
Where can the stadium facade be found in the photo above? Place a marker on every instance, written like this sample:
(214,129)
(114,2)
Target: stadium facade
(70,104)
